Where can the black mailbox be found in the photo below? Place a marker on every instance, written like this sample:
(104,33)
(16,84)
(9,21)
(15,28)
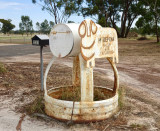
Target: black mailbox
(40,40)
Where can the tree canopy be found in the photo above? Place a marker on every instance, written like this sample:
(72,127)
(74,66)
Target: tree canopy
(26,25)
(7,26)
(150,18)
(111,12)
(44,27)
(106,12)
(55,8)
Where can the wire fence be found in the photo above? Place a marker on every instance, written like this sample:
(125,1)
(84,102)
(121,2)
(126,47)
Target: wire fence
(16,40)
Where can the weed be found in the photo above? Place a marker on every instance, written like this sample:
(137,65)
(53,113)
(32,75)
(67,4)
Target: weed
(142,38)
(121,93)
(2,69)
(71,94)
(37,106)
(101,94)
(137,126)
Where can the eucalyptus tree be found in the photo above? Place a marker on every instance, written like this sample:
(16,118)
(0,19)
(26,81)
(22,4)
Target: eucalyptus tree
(7,26)
(26,24)
(105,12)
(111,13)
(55,8)
(150,18)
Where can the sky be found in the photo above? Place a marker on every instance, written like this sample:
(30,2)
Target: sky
(14,9)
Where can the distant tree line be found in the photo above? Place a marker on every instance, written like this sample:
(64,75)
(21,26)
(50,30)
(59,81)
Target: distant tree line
(107,13)
(25,26)
(44,27)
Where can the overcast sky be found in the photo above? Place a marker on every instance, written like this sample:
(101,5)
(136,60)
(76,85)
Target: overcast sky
(14,9)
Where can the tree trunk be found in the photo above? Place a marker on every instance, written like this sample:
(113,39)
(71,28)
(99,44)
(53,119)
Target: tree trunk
(114,26)
(130,22)
(156,22)
(123,24)
(55,13)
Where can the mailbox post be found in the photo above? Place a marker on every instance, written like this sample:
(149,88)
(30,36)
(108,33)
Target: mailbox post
(42,41)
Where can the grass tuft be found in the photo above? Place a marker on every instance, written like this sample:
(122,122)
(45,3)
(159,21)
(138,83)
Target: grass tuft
(137,126)
(2,69)
(121,98)
(37,106)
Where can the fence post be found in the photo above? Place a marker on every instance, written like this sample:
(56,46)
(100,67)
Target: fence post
(24,40)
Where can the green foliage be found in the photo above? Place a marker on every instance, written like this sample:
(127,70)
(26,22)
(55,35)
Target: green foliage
(106,12)
(137,126)
(44,27)
(51,24)
(26,25)
(2,69)
(7,26)
(71,22)
(59,9)
(150,18)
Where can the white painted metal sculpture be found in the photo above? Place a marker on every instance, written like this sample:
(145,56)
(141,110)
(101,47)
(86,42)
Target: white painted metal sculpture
(92,42)
(97,42)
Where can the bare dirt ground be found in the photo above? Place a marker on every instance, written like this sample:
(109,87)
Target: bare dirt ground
(139,74)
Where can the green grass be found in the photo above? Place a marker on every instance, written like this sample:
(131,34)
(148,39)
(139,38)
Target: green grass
(137,126)
(2,69)
(121,93)
(19,39)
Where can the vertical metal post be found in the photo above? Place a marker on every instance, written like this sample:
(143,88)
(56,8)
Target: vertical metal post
(41,59)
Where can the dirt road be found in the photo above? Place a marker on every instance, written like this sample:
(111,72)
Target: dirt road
(139,71)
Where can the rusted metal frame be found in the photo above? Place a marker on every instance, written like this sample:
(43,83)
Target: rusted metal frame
(86,75)
(116,77)
(94,32)
(82,35)
(46,73)
(85,57)
(76,72)
(55,32)
(90,29)
(89,47)
(83,111)
(72,111)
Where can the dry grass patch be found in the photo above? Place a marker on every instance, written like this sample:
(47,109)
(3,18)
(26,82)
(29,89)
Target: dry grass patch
(74,93)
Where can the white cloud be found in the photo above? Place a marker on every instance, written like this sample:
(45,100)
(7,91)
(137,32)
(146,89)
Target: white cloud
(5,5)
